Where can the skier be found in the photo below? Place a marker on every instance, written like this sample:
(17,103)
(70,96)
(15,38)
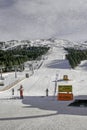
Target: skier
(12,91)
(21,91)
(47,92)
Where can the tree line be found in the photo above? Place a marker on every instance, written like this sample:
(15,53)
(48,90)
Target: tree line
(11,58)
(75,56)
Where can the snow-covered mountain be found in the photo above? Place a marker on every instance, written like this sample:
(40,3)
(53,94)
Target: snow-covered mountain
(42,42)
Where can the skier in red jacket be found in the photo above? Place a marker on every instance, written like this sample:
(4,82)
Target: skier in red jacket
(21,91)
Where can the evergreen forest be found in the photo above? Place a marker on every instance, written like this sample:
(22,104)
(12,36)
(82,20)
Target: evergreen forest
(11,58)
(75,56)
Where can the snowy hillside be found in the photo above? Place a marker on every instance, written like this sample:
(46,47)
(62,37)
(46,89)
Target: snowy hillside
(36,111)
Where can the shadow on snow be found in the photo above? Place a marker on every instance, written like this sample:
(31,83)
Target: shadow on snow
(49,103)
(59,64)
(52,104)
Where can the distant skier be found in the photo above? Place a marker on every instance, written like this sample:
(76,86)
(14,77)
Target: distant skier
(12,91)
(21,91)
(47,92)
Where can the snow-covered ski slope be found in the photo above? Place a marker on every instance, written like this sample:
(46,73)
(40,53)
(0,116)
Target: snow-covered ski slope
(38,112)
(56,64)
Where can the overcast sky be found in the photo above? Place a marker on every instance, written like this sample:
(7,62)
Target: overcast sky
(37,19)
